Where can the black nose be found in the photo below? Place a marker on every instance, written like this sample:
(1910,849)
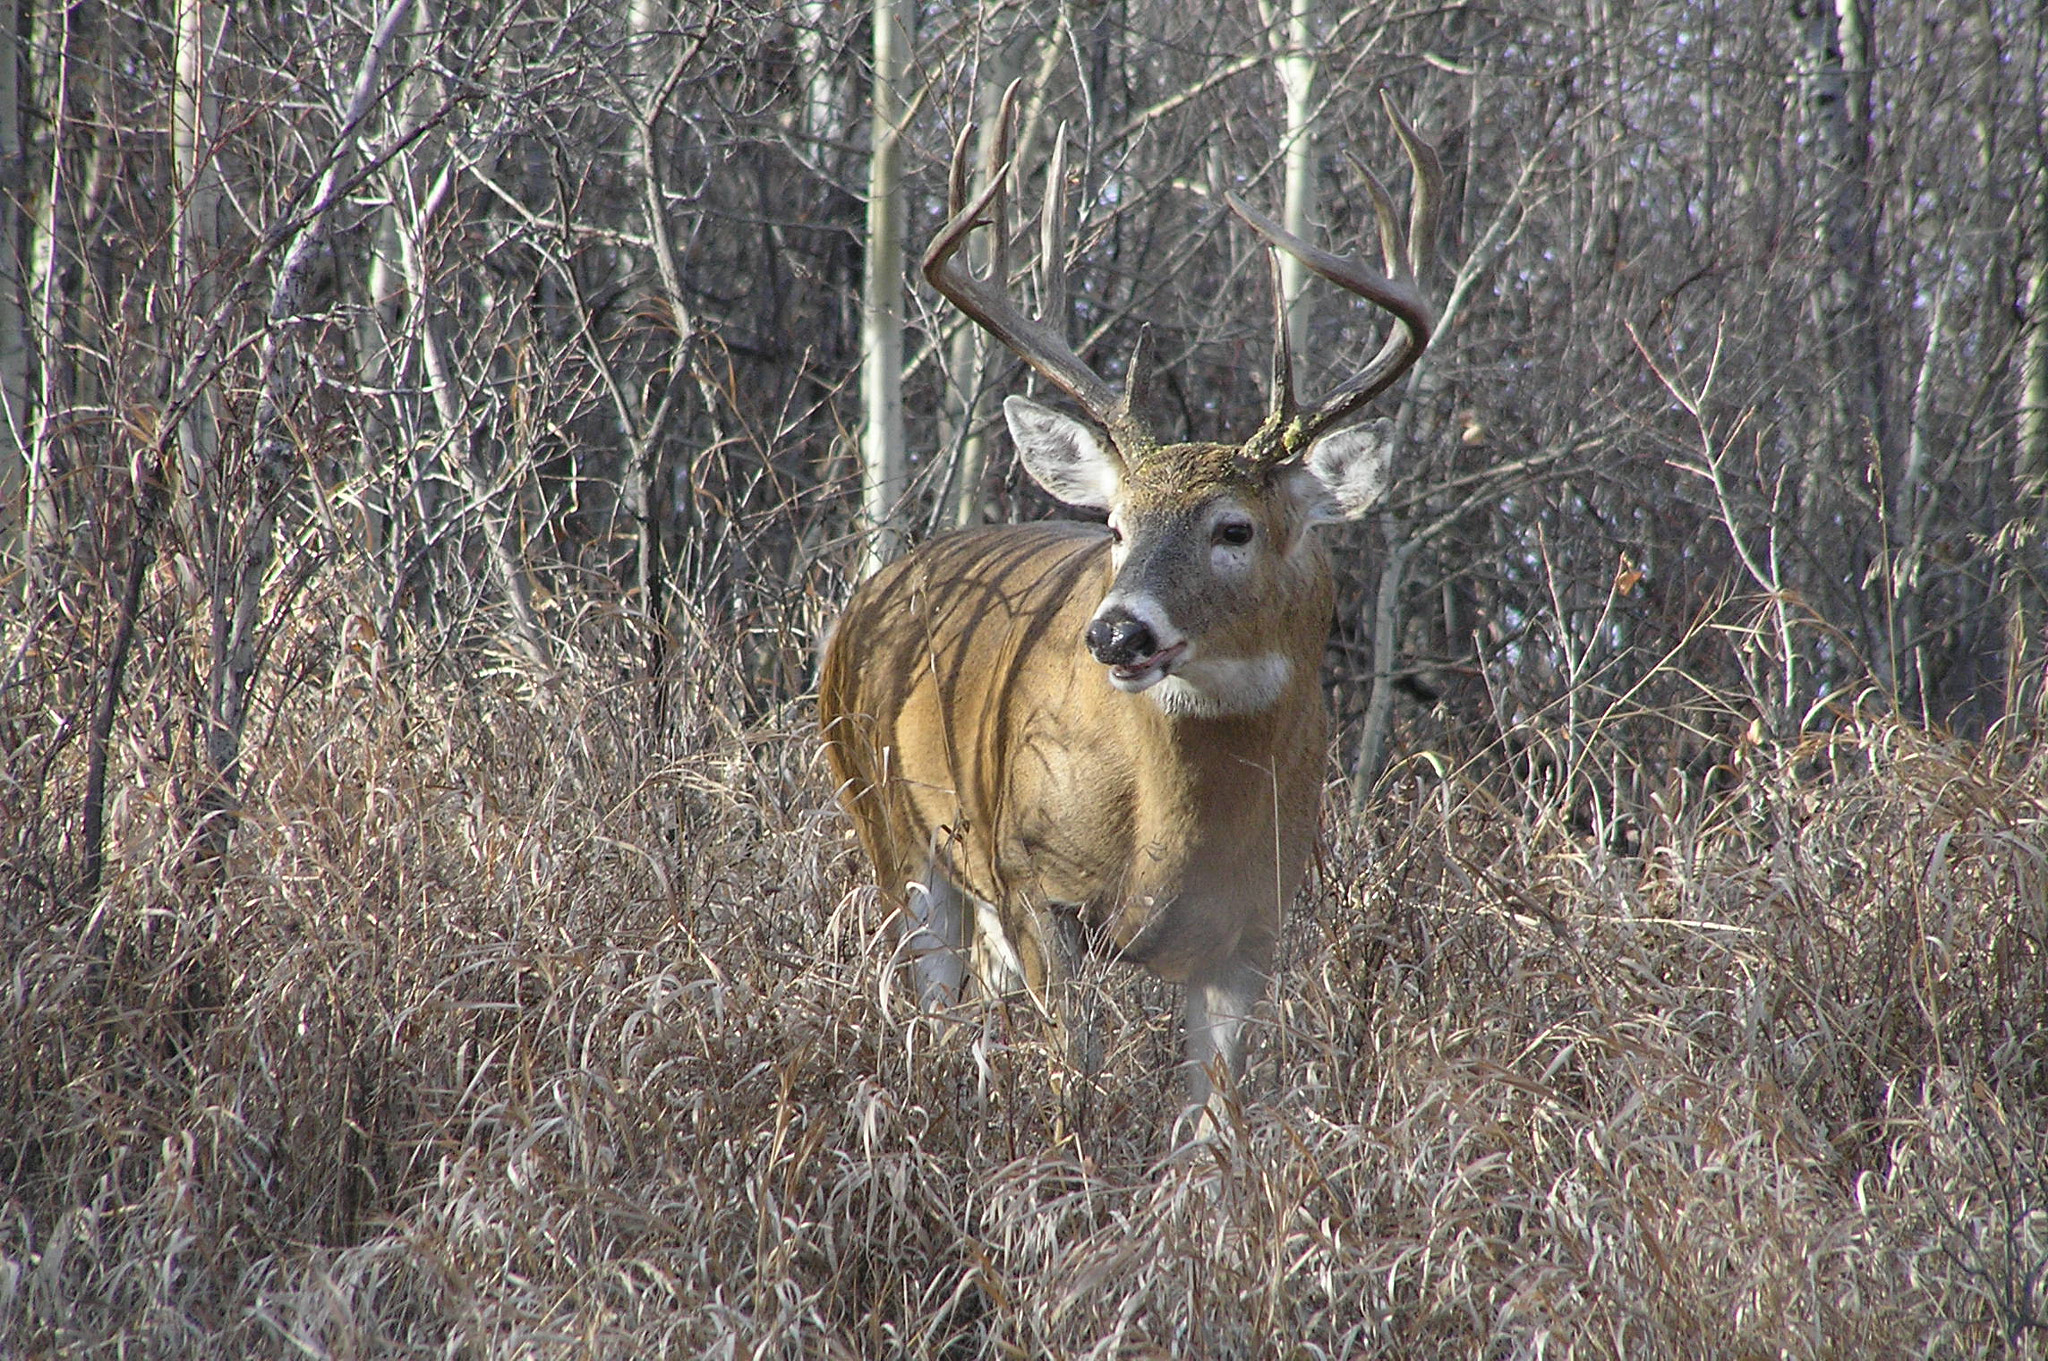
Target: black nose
(1116,638)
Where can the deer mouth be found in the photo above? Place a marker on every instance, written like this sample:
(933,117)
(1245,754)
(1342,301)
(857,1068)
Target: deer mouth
(1146,671)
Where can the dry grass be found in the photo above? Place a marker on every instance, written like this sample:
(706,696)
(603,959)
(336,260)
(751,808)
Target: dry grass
(512,1030)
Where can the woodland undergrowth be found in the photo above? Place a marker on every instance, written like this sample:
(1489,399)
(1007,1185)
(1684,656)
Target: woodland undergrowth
(515,1024)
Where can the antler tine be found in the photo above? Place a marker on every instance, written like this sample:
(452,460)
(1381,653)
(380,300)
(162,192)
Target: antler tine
(1427,197)
(1268,443)
(1052,232)
(1282,386)
(956,175)
(985,300)
(1408,256)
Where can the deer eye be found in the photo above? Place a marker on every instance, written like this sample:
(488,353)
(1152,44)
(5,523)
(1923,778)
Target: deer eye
(1116,533)
(1235,533)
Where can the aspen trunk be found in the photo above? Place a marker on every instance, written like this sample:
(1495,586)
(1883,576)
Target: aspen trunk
(884,465)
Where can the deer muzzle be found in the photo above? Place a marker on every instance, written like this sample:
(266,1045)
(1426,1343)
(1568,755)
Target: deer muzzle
(1130,647)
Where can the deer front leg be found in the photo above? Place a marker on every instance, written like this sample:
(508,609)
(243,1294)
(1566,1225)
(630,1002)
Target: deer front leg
(1054,951)
(1220,1002)
(936,938)
(1075,1003)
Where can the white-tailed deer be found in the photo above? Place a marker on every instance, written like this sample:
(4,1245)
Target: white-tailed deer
(1059,736)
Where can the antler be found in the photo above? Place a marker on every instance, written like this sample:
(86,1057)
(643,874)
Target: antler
(984,298)
(1398,290)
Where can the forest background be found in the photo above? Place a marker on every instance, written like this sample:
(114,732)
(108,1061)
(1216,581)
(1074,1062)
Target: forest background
(436,435)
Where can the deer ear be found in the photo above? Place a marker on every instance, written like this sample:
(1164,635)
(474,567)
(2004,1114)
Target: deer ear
(1346,472)
(1063,456)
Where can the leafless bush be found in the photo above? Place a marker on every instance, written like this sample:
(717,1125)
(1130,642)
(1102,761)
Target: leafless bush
(517,1026)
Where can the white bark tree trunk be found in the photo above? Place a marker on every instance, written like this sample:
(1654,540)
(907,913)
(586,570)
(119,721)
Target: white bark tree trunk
(2032,462)
(15,418)
(884,466)
(1295,63)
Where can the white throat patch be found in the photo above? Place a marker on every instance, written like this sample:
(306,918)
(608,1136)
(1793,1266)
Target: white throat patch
(1223,687)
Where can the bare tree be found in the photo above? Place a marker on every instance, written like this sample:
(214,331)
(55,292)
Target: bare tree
(575,338)
(884,461)
(14,341)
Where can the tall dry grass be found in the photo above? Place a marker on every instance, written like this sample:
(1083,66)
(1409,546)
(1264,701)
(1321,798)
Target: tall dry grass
(515,1029)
